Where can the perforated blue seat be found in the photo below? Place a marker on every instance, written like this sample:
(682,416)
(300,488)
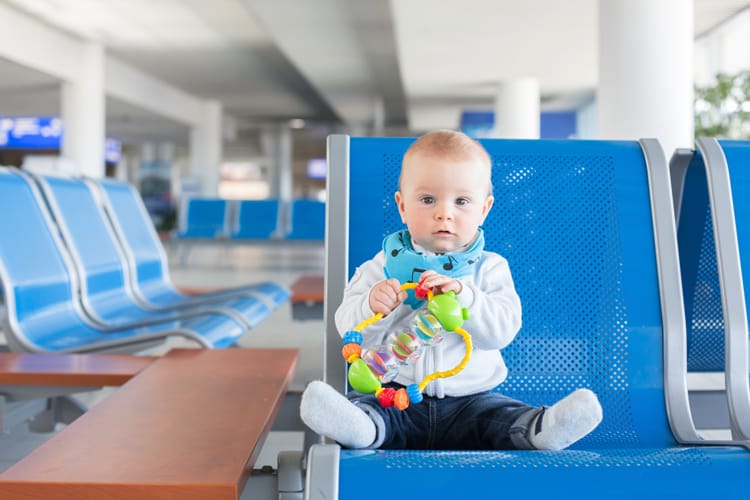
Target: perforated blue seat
(255,219)
(147,260)
(204,218)
(602,309)
(308,220)
(42,312)
(712,186)
(106,290)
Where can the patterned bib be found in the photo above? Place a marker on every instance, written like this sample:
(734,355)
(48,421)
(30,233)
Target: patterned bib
(406,264)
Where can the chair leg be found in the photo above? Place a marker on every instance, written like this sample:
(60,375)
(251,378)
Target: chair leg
(60,409)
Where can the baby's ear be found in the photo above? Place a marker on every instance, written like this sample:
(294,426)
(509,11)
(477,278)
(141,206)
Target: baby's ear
(400,204)
(487,206)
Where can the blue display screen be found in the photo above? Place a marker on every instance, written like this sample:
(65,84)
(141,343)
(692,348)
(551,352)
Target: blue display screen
(30,132)
(43,132)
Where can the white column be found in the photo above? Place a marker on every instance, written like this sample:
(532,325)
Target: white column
(206,150)
(83,111)
(645,71)
(278,147)
(378,116)
(517,109)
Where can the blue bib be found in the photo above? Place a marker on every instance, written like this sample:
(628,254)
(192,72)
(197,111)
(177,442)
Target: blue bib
(406,264)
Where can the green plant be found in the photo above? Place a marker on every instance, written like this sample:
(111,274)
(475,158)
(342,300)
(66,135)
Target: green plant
(723,109)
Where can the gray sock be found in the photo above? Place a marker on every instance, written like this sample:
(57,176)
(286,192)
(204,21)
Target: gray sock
(566,421)
(330,414)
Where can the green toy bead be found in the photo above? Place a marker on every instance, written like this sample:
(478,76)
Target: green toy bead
(448,310)
(362,379)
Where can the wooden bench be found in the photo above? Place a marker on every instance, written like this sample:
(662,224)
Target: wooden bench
(189,425)
(307,298)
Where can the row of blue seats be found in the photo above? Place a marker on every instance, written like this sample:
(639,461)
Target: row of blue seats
(217,218)
(589,230)
(83,270)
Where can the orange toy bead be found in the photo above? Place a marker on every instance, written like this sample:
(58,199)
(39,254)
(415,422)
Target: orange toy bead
(401,399)
(351,351)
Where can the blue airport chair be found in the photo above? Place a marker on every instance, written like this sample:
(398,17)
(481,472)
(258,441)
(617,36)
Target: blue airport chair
(204,218)
(308,220)
(712,188)
(106,291)
(588,230)
(42,311)
(147,259)
(255,220)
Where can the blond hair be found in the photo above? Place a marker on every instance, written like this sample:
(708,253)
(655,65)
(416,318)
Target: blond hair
(449,143)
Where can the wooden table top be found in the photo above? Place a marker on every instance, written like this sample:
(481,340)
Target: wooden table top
(75,370)
(308,288)
(190,425)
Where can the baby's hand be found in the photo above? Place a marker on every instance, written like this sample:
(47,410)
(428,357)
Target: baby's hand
(386,296)
(438,283)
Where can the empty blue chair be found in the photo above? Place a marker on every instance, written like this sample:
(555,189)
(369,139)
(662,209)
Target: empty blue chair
(204,218)
(106,290)
(712,193)
(42,311)
(588,230)
(147,260)
(255,220)
(308,220)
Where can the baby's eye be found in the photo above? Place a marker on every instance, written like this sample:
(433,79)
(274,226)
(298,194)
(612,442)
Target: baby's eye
(427,200)
(462,201)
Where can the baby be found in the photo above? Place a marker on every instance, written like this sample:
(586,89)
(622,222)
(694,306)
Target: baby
(444,196)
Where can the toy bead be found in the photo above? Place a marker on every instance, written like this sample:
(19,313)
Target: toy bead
(351,351)
(386,397)
(414,394)
(448,311)
(362,379)
(404,345)
(421,293)
(428,328)
(352,337)
(401,399)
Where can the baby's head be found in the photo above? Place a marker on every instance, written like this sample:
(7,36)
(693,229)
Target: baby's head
(445,190)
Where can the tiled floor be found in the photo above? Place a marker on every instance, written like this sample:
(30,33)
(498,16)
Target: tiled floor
(220,265)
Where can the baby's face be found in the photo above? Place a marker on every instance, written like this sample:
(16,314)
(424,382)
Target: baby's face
(444,200)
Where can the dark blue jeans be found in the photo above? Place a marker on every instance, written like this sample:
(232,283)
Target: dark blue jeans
(484,421)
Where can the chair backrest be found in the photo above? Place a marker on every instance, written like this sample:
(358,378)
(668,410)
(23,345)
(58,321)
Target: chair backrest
(574,220)
(33,272)
(255,219)
(308,220)
(132,224)
(204,218)
(89,238)
(717,180)
(737,156)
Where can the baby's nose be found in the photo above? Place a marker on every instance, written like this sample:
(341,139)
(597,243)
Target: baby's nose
(444,212)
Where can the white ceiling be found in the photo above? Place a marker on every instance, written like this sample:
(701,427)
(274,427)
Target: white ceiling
(399,63)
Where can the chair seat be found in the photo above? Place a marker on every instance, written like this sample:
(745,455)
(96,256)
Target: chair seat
(632,473)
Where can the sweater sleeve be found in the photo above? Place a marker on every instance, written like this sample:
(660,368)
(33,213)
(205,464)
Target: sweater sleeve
(494,306)
(355,307)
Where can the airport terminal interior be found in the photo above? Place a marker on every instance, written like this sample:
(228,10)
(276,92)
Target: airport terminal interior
(219,116)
